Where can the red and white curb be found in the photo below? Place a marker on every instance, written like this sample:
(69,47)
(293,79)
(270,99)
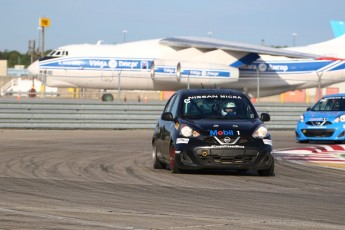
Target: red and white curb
(323,155)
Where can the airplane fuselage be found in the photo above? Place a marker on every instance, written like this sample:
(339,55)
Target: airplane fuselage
(137,74)
(150,65)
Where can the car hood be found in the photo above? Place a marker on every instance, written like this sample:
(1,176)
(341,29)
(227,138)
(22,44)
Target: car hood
(318,116)
(244,126)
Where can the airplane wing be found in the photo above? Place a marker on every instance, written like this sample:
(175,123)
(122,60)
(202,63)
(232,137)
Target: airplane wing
(210,43)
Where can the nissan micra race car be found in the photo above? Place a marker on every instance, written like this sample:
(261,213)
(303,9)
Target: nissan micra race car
(212,129)
(325,121)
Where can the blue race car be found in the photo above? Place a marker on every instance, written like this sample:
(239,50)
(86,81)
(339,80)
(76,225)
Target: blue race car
(325,121)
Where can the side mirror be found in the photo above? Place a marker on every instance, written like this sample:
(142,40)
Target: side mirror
(167,116)
(308,109)
(265,117)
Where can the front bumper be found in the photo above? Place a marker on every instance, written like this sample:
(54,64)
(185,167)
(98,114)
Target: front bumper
(334,132)
(252,157)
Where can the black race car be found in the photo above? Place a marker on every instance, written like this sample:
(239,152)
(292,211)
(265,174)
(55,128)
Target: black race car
(212,129)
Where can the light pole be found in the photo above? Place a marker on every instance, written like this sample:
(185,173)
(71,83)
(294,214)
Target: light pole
(119,84)
(257,84)
(124,35)
(39,40)
(294,35)
(43,22)
(42,47)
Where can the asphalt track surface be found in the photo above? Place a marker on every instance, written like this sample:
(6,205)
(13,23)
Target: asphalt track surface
(84,179)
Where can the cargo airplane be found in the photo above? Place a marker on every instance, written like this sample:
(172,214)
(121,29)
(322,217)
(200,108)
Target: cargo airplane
(193,62)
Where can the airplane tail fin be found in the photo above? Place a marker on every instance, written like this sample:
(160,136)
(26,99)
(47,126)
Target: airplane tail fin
(338,28)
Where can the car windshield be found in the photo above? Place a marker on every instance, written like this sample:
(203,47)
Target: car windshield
(330,104)
(217,107)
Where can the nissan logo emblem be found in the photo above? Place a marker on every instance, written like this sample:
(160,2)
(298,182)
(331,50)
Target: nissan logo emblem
(227,139)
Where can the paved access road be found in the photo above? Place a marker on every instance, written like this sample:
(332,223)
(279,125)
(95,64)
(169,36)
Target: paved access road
(84,179)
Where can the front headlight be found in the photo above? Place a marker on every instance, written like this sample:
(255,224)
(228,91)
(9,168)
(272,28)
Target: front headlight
(301,118)
(340,119)
(260,132)
(187,131)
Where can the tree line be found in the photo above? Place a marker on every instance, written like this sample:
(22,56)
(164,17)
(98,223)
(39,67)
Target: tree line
(14,57)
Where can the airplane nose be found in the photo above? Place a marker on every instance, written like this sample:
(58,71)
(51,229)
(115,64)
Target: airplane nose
(34,68)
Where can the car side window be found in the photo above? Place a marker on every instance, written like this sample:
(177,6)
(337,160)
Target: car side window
(320,105)
(249,112)
(174,107)
(170,103)
(342,105)
(330,105)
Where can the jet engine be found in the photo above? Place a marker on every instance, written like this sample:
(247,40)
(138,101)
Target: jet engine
(186,72)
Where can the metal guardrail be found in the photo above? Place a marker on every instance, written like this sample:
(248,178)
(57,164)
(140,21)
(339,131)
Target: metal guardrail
(86,114)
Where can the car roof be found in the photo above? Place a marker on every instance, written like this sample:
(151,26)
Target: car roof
(209,91)
(334,95)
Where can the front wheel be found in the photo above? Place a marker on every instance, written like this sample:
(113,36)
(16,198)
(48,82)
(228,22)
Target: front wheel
(267,172)
(157,164)
(173,160)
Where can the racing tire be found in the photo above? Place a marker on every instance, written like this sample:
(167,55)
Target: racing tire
(267,172)
(157,164)
(303,142)
(107,97)
(173,161)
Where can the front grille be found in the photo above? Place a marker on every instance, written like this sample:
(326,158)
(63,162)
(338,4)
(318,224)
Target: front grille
(227,156)
(318,132)
(318,123)
(212,141)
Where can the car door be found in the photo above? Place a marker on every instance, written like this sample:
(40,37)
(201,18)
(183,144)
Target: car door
(161,127)
(169,128)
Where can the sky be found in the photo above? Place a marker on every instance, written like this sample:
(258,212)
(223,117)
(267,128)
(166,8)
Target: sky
(269,22)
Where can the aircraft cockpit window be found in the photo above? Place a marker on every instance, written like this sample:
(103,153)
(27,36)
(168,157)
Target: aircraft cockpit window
(58,53)
(51,53)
